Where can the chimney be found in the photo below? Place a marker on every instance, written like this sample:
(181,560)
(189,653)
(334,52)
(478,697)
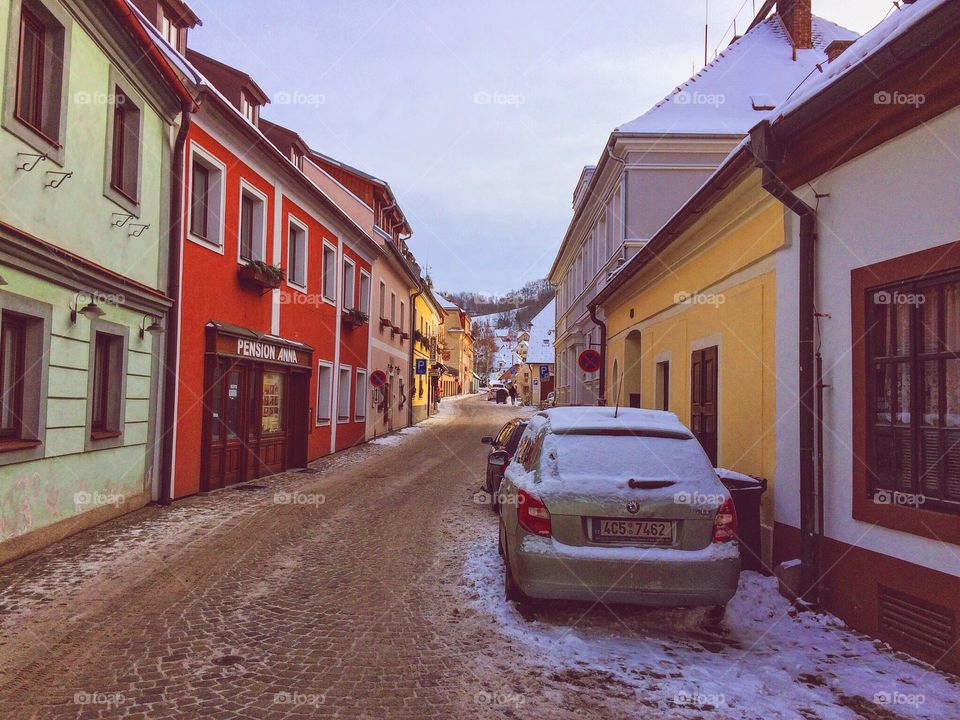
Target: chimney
(835,49)
(797,18)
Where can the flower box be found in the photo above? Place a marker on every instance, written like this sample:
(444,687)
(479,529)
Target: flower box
(354,317)
(259,274)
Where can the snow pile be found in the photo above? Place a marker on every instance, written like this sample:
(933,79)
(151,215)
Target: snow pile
(764,662)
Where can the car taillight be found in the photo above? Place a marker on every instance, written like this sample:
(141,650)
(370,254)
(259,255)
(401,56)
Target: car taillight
(532,514)
(725,523)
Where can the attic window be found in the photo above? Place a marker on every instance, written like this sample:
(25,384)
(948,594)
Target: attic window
(170,30)
(249,109)
(762,102)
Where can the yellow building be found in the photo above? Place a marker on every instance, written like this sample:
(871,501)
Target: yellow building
(691,324)
(425,384)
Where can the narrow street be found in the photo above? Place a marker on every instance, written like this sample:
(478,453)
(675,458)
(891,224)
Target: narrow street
(369,586)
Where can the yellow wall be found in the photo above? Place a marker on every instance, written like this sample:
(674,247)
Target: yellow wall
(734,276)
(428,321)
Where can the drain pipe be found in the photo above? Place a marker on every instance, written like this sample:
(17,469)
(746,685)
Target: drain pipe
(602,389)
(770,155)
(174,262)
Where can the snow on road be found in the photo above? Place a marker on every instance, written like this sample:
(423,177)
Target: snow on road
(765,662)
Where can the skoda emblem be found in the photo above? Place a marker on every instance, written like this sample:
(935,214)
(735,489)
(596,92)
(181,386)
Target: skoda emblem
(633,507)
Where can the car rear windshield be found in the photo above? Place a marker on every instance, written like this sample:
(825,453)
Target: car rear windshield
(616,457)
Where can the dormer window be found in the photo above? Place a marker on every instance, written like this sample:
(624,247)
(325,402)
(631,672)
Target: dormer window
(250,110)
(296,157)
(172,32)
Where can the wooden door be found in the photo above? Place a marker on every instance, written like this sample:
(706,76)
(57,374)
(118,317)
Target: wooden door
(703,399)
(273,421)
(226,461)
(299,419)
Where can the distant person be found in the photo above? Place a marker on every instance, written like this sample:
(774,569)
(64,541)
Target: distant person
(513,394)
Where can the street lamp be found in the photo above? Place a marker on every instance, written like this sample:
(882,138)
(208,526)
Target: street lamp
(91,310)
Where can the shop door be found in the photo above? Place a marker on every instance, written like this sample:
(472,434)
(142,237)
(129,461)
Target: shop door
(273,422)
(703,401)
(299,419)
(227,451)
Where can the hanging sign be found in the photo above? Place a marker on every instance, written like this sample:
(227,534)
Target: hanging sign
(589,360)
(544,371)
(378,378)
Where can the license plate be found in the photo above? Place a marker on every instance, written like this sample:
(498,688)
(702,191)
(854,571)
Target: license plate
(646,532)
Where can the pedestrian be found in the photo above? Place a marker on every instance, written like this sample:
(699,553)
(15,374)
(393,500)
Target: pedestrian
(513,394)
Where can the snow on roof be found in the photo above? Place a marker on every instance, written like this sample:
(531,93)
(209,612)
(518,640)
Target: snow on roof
(892,27)
(540,346)
(446,304)
(598,419)
(736,91)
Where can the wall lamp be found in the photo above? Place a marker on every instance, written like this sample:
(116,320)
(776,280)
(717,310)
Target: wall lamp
(91,310)
(154,328)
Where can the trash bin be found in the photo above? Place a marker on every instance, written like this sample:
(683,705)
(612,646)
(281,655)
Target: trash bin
(501,397)
(746,492)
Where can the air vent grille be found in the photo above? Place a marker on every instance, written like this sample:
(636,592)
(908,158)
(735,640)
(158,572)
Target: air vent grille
(926,628)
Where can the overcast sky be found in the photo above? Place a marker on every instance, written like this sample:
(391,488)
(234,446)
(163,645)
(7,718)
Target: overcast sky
(479,115)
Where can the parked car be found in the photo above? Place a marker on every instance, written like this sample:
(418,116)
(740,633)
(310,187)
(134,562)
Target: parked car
(493,388)
(621,505)
(502,448)
(551,400)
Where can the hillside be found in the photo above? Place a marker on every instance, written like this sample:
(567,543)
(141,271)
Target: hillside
(514,309)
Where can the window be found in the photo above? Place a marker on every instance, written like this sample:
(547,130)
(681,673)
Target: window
(393,308)
(170,30)
(106,392)
(324,392)
(329,273)
(39,64)
(297,254)
(383,299)
(365,293)
(663,385)
(252,225)
(349,283)
(343,394)
(125,147)
(249,109)
(360,411)
(914,391)
(206,199)
(403,315)
(13,334)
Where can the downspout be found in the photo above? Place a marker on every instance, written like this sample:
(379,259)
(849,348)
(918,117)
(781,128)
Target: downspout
(602,389)
(770,156)
(413,344)
(174,261)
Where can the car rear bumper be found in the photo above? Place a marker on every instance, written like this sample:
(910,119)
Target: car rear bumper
(547,569)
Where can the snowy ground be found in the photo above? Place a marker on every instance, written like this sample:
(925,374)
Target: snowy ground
(764,662)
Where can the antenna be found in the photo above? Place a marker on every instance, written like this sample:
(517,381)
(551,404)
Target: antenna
(706,29)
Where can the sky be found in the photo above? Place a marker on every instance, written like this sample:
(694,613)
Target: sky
(481,116)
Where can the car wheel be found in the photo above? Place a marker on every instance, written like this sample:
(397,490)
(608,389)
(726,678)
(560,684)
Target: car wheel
(495,498)
(511,591)
(716,614)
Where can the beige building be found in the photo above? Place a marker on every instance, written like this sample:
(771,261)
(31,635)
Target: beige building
(458,350)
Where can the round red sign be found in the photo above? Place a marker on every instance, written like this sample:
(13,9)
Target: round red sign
(378,378)
(589,360)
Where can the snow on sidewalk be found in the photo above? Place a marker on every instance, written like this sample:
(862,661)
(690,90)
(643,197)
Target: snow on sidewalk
(765,662)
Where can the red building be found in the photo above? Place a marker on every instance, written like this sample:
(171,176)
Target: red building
(269,351)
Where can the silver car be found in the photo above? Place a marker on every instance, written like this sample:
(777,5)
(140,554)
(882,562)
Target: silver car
(616,506)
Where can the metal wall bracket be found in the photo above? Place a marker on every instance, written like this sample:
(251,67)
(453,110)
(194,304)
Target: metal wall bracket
(141,229)
(28,165)
(63,177)
(124,218)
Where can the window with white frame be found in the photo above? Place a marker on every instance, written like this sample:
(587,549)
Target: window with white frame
(349,283)
(253,227)
(383,299)
(365,293)
(343,394)
(324,392)
(206,198)
(329,273)
(393,308)
(360,407)
(403,315)
(297,254)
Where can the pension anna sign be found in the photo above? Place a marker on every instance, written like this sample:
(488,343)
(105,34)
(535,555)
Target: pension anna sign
(266,351)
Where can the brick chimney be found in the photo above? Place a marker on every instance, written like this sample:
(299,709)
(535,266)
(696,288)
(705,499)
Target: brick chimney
(797,18)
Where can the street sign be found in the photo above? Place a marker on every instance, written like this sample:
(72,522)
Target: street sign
(544,371)
(378,378)
(589,360)
(421,367)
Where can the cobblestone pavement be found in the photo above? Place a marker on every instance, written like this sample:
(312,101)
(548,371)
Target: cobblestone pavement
(369,587)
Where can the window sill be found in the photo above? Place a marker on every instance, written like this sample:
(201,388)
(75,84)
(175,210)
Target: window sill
(105,434)
(211,245)
(14,445)
(36,139)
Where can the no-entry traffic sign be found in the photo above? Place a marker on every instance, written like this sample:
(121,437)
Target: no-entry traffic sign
(589,360)
(378,378)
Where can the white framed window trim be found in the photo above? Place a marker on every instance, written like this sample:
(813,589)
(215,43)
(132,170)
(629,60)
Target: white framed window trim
(360,401)
(328,273)
(365,288)
(344,393)
(259,220)
(324,411)
(303,251)
(349,290)
(214,243)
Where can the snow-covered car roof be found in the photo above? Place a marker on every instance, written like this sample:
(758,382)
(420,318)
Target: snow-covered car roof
(573,420)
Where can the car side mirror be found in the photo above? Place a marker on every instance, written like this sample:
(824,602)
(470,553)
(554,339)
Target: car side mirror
(498,458)
(486,440)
